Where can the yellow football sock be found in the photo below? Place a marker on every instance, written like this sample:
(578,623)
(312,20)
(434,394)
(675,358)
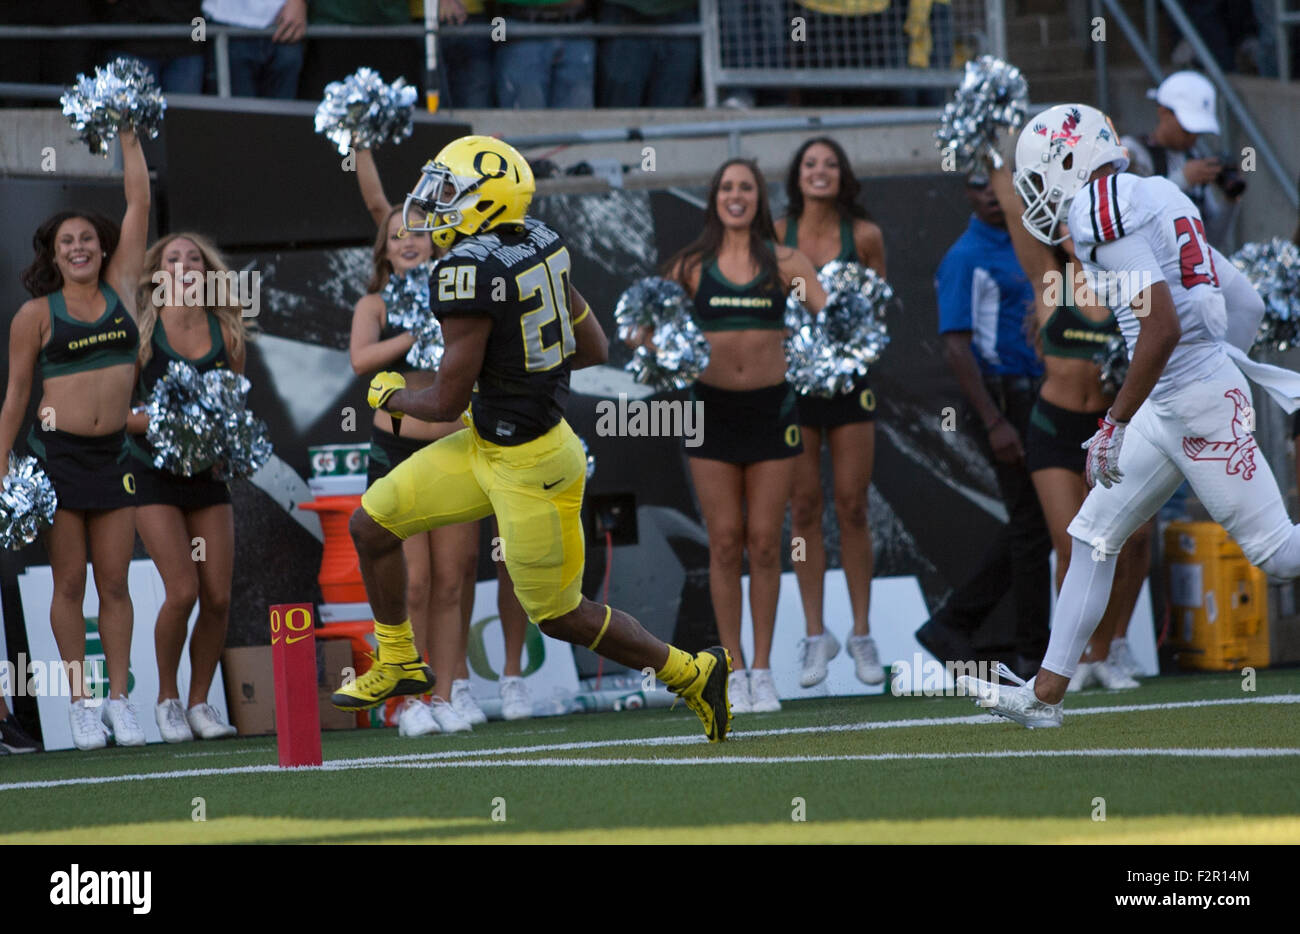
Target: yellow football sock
(396,643)
(679,670)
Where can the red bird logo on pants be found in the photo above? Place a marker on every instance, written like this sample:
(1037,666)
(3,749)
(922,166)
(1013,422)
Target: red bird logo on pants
(1239,452)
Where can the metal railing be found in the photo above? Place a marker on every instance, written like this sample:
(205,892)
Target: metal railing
(722,34)
(1215,74)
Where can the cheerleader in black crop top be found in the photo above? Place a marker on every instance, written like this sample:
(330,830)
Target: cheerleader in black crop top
(826,223)
(79,334)
(742,462)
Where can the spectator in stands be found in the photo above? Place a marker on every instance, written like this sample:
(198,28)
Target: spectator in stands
(44,61)
(327,60)
(176,63)
(13,738)
(827,223)
(466,60)
(537,73)
(743,465)
(644,71)
(1223,25)
(262,66)
(984,300)
(1185,110)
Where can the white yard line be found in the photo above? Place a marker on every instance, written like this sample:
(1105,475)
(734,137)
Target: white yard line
(486,757)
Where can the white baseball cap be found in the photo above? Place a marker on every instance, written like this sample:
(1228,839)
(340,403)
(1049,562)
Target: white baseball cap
(1190,96)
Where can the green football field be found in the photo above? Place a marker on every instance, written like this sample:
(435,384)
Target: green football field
(1185,759)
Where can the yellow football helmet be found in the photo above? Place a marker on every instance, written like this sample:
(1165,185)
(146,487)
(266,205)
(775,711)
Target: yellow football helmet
(475,184)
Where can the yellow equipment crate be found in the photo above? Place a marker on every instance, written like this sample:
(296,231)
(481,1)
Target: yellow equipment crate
(1218,601)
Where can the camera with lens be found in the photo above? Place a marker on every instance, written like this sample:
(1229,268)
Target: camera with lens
(1230,180)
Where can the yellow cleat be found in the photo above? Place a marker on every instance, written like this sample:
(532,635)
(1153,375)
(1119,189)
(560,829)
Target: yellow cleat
(382,681)
(707,693)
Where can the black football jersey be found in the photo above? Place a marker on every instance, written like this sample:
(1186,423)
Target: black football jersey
(519,279)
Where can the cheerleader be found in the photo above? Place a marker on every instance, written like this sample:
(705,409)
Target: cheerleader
(79,333)
(174,511)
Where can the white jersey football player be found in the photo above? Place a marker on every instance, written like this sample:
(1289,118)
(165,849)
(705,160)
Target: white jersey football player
(1185,408)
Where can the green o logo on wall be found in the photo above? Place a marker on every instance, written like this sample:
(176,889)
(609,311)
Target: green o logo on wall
(534,650)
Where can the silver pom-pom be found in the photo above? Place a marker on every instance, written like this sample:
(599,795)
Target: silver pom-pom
(992,96)
(198,421)
(1114,364)
(362,112)
(1273,268)
(184,424)
(406,303)
(830,353)
(27,503)
(122,95)
(680,352)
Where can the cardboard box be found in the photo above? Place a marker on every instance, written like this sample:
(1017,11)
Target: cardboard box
(250,689)
(332,657)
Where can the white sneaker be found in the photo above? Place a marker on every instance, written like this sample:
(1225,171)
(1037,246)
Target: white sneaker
(171,722)
(762,691)
(88,731)
(1083,678)
(449,721)
(207,724)
(1016,703)
(119,716)
(866,659)
(1112,677)
(516,704)
(816,651)
(462,699)
(738,692)
(414,718)
(1121,656)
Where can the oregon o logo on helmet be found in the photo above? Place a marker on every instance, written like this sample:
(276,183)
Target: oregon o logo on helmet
(501,164)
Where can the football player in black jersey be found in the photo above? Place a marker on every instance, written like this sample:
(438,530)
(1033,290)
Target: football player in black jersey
(513,324)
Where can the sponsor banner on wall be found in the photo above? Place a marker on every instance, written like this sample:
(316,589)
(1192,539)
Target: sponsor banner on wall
(36,586)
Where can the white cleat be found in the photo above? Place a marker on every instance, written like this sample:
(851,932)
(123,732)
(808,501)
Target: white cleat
(866,659)
(88,731)
(738,692)
(415,719)
(1016,703)
(1083,678)
(516,703)
(817,651)
(207,723)
(762,691)
(462,699)
(119,717)
(1121,656)
(1112,677)
(171,722)
(449,721)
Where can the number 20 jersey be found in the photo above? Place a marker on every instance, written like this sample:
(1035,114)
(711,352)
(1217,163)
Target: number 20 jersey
(519,279)
(1120,206)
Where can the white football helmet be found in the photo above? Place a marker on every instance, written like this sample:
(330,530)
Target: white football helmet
(1057,153)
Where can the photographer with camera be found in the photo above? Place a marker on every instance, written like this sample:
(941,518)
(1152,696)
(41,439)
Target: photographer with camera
(1186,102)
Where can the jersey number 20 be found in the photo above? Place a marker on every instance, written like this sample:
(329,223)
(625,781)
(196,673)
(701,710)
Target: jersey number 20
(1193,253)
(551,279)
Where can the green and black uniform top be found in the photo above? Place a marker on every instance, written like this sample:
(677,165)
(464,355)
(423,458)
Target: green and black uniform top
(848,249)
(1070,333)
(77,346)
(519,279)
(215,359)
(722,305)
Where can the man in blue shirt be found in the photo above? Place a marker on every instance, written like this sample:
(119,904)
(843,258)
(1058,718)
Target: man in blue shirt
(984,304)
